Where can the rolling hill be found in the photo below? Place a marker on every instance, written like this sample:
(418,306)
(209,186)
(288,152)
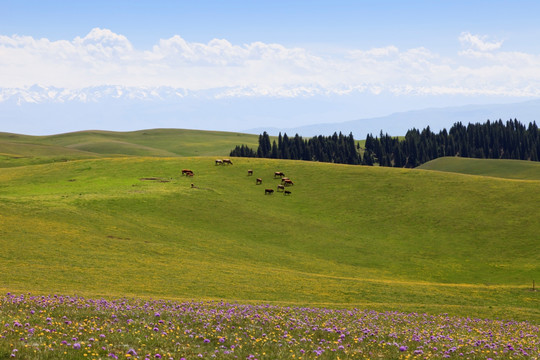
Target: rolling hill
(18,149)
(508,169)
(382,238)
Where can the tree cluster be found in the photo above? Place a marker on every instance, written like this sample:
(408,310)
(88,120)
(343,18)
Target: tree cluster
(490,140)
(337,148)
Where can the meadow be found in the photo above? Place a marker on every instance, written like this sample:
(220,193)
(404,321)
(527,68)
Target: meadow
(347,235)
(509,169)
(372,240)
(56,327)
(17,150)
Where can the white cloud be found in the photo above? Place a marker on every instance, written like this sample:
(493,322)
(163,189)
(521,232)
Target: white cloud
(103,57)
(479,42)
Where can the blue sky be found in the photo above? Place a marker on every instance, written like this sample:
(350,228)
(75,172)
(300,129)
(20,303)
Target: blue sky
(375,23)
(385,56)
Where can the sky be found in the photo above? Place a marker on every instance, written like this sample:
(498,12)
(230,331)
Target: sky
(361,58)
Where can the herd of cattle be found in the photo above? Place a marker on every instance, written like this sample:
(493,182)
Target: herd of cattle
(285,181)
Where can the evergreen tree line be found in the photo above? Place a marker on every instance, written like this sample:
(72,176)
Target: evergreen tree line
(490,140)
(336,148)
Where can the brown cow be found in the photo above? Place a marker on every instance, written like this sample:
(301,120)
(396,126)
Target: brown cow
(190,174)
(219,162)
(258,181)
(268,191)
(283,179)
(288,182)
(186,171)
(250,172)
(280,187)
(227,161)
(279,173)
(286,192)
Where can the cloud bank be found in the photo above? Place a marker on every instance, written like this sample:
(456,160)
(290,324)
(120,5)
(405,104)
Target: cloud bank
(102,57)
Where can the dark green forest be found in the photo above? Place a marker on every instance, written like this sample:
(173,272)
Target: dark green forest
(490,140)
(336,148)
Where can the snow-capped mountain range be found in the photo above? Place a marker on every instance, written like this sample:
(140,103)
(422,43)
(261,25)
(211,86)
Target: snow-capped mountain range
(40,94)
(40,110)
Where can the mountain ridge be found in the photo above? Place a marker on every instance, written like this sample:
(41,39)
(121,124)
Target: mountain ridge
(40,110)
(436,118)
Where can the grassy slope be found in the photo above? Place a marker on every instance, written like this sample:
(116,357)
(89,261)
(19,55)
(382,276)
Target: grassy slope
(18,150)
(363,236)
(509,169)
(20,153)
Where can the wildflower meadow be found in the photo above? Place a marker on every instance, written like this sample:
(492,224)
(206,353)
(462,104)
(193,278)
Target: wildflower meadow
(56,326)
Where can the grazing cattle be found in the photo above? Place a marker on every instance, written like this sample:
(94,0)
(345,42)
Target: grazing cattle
(284,179)
(286,192)
(280,187)
(250,172)
(219,162)
(279,173)
(190,174)
(288,182)
(227,161)
(186,171)
(258,181)
(268,191)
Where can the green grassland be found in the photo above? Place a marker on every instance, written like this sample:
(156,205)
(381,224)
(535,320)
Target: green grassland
(509,169)
(356,236)
(16,150)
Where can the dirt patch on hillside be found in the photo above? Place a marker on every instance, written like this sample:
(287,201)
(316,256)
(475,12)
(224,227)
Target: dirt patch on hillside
(117,238)
(155,179)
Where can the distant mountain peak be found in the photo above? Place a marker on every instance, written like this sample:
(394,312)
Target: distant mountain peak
(50,94)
